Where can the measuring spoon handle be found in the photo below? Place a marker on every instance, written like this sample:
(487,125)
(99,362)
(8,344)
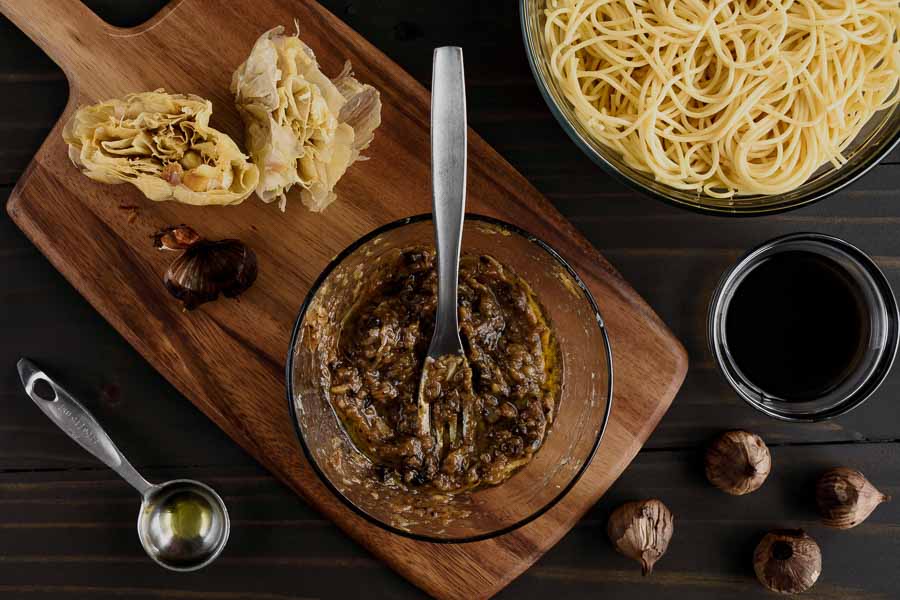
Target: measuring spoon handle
(75,420)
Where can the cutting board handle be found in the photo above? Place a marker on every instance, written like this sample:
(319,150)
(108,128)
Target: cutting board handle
(68,31)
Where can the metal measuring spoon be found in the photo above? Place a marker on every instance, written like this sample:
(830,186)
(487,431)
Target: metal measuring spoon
(183,524)
(448,174)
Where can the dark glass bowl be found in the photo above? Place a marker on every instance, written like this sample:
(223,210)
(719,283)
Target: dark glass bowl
(570,444)
(875,141)
(880,348)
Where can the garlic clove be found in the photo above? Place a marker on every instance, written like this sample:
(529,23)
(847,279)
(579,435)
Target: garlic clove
(196,181)
(172,173)
(205,268)
(738,462)
(641,530)
(846,498)
(787,561)
(175,237)
(191,160)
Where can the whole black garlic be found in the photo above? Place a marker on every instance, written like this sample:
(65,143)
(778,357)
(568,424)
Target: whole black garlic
(738,462)
(205,268)
(787,561)
(846,498)
(641,530)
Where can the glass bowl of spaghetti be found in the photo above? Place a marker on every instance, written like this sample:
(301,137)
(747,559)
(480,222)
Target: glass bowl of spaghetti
(736,107)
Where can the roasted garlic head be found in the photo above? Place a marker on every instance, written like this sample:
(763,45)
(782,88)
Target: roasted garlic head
(302,128)
(162,144)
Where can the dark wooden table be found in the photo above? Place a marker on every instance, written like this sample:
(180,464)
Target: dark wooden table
(67,523)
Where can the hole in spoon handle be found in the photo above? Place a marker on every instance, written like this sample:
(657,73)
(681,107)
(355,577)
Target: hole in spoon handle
(43,390)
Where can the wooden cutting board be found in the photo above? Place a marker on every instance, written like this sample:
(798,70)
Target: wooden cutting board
(228,357)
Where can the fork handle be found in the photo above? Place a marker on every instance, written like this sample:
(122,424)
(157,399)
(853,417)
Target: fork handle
(448,166)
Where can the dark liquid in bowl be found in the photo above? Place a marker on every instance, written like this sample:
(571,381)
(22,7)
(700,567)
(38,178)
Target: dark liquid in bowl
(797,325)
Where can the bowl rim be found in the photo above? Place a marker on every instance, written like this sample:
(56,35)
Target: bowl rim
(289,385)
(849,175)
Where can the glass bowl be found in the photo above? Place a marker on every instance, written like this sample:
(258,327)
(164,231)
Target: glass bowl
(875,141)
(874,362)
(584,403)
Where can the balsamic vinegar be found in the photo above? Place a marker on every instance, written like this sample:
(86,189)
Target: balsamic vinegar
(797,325)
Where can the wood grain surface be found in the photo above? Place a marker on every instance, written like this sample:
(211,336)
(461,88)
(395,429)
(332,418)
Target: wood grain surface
(66,524)
(228,358)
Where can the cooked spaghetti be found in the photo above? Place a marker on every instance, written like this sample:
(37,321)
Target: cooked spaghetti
(726,97)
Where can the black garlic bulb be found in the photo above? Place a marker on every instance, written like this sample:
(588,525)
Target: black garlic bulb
(641,530)
(738,462)
(787,561)
(846,498)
